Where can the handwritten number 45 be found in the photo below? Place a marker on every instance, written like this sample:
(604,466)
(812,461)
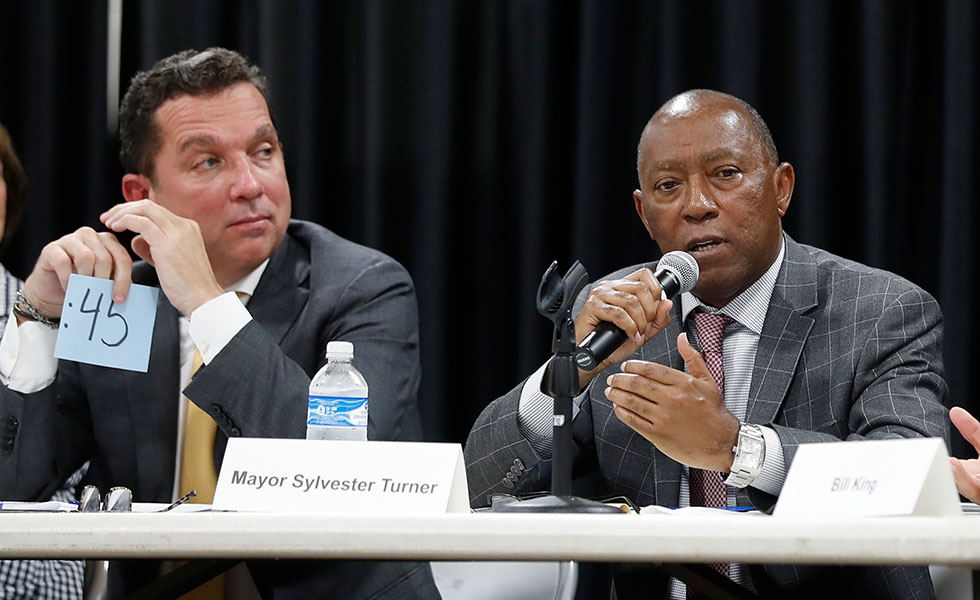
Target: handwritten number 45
(95,318)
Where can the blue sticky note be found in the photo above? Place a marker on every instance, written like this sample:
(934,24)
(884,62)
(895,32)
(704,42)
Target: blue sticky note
(97,331)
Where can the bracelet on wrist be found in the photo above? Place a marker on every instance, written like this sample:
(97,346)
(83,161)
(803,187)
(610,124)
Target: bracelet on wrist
(24,308)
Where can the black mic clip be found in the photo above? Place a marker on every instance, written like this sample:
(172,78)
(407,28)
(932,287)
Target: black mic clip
(556,295)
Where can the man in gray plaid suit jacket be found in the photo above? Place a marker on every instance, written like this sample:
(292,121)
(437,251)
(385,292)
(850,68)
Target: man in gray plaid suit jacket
(820,349)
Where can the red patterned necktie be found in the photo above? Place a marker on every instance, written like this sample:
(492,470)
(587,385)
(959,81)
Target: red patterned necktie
(706,486)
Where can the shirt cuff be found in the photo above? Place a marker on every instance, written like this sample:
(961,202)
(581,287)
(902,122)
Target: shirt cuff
(27,362)
(215,322)
(773,474)
(536,413)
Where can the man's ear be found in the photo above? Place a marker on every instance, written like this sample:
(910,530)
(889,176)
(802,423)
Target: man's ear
(135,187)
(638,200)
(785,180)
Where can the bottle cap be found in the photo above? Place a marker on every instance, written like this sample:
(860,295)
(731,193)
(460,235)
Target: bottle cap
(340,350)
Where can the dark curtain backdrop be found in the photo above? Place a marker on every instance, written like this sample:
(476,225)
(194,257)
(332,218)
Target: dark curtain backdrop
(475,141)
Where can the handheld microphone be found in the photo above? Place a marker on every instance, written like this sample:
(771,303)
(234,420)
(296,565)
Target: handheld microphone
(677,272)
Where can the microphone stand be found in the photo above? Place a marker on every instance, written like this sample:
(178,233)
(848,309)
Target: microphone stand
(556,295)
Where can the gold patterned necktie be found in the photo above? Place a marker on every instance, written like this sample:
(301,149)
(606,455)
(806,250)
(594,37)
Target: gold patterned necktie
(197,473)
(197,470)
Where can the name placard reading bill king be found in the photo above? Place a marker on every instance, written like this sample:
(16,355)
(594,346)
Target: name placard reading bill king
(870,478)
(321,476)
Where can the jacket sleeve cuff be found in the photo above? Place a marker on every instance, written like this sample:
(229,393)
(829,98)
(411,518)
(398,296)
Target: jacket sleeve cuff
(216,322)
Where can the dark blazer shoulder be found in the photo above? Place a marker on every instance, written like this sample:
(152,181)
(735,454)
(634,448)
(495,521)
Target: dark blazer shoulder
(841,278)
(324,246)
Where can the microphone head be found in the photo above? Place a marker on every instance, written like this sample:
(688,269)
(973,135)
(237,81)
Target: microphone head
(683,266)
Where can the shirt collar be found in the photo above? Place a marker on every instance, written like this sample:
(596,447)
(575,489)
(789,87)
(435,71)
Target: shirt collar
(245,286)
(748,308)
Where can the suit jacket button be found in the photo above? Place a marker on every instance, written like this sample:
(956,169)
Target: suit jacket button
(508,483)
(216,410)
(12,424)
(519,464)
(236,432)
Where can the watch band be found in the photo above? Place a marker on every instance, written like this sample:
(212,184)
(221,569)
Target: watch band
(748,463)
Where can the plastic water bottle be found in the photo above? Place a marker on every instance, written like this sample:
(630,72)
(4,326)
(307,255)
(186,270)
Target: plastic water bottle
(338,408)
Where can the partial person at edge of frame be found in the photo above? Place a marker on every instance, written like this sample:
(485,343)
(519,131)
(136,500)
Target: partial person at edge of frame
(966,471)
(28,579)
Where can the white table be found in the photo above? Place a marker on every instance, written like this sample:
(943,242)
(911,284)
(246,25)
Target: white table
(485,536)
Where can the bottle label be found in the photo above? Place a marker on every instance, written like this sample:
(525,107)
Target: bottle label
(331,411)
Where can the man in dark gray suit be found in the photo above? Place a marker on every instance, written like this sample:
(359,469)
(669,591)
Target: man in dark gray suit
(812,347)
(206,193)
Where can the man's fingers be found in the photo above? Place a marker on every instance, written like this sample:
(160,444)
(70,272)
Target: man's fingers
(659,373)
(122,269)
(633,392)
(137,223)
(649,292)
(60,262)
(144,217)
(632,297)
(631,419)
(662,317)
(693,359)
(646,276)
(967,425)
(629,303)
(82,257)
(138,207)
(966,482)
(102,264)
(652,293)
(598,308)
(142,250)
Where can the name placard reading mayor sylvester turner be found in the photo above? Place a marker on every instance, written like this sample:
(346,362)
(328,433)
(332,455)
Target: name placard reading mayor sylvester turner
(324,476)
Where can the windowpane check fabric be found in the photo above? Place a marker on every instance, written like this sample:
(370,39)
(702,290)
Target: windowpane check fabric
(845,352)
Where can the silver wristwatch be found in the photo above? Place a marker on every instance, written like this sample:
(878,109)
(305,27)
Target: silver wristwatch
(750,452)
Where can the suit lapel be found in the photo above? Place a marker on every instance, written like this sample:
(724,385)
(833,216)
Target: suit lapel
(662,348)
(784,334)
(152,400)
(283,290)
(279,297)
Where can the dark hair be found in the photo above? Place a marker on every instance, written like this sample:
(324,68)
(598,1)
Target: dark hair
(16,180)
(187,72)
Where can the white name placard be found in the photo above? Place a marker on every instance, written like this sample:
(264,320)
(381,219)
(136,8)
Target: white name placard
(870,478)
(321,476)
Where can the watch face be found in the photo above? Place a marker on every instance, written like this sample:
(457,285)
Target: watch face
(751,450)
